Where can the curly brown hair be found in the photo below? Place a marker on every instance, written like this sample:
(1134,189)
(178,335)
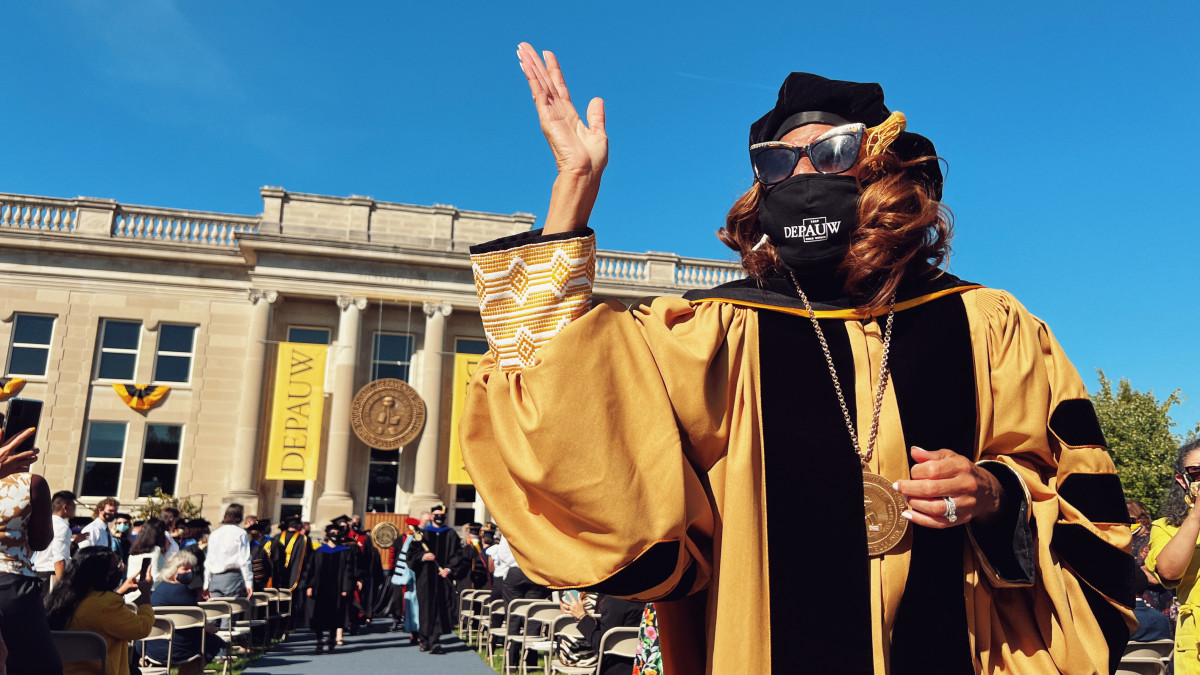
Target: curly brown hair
(899,223)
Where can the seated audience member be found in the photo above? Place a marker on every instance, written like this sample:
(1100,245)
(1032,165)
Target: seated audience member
(1152,624)
(150,545)
(89,598)
(613,612)
(172,591)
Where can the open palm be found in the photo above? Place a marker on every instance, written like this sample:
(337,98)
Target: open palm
(579,149)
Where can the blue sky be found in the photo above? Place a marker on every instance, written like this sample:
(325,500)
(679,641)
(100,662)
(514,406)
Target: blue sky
(1072,165)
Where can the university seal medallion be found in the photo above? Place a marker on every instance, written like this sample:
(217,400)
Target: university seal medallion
(387,414)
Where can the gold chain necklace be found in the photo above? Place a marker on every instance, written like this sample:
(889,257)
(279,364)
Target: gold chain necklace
(881,503)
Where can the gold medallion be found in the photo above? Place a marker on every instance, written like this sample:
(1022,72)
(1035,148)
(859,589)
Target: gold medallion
(883,506)
(385,534)
(387,414)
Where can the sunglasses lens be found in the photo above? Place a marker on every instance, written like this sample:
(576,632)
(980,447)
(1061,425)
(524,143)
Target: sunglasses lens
(836,153)
(1193,472)
(772,165)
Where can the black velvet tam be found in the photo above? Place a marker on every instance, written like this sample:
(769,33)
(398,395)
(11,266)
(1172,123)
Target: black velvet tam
(851,101)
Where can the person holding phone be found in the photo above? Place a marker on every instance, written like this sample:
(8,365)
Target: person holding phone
(91,598)
(25,527)
(1174,555)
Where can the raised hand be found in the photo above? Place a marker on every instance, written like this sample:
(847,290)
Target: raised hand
(16,462)
(580,150)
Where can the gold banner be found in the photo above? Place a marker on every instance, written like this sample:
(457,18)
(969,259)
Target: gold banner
(464,368)
(294,445)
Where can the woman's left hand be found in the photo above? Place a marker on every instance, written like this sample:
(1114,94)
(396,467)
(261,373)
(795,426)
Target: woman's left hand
(945,473)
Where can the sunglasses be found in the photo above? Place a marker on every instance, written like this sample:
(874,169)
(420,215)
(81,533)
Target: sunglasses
(1192,473)
(834,151)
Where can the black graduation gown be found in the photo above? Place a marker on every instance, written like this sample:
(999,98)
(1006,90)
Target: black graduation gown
(474,572)
(286,567)
(329,572)
(435,595)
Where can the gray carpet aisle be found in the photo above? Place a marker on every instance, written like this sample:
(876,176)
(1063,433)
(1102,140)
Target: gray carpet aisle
(374,652)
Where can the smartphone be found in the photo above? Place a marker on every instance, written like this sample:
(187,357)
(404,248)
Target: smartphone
(145,568)
(570,596)
(23,413)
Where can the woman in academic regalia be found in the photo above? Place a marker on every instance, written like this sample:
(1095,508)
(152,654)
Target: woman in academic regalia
(972,513)
(328,580)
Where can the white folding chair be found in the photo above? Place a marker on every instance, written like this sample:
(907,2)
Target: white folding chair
(495,612)
(620,642)
(564,625)
(75,646)
(517,609)
(184,618)
(1158,649)
(221,611)
(1133,665)
(163,629)
(544,613)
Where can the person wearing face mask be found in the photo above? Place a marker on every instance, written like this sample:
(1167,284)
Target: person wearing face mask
(97,531)
(172,591)
(432,556)
(935,424)
(89,598)
(121,525)
(1174,554)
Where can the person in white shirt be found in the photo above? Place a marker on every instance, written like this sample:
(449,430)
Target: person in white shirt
(50,562)
(97,531)
(227,558)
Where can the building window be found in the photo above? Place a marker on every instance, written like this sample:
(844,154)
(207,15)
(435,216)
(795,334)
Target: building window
(383,473)
(464,504)
(173,362)
(160,459)
(308,336)
(30,344)
(470,346)
(391,354)
(104,455)
(118,349)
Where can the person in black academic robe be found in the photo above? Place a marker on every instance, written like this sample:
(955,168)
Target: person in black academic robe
(288,553)
(328,582)
(433,558)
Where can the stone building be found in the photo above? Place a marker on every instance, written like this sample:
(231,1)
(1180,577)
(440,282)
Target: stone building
(100,293)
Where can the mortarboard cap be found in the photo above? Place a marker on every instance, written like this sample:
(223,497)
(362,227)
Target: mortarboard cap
(806,98)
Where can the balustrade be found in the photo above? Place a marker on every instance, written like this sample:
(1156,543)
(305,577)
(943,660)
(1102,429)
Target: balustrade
(53,215)
(187,227)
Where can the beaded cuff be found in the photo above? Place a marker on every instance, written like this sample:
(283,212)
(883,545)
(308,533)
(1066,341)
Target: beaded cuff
(528,292)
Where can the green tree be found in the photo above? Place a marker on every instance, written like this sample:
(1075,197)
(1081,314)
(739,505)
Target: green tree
(1138,428)
(154,506)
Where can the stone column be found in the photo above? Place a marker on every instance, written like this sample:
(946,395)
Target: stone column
(425,478)
(243,479)
(335,498)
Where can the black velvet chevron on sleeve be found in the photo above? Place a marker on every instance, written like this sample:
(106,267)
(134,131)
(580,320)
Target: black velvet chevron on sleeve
(1098,496)
(530,237)
(1007,541)
(1074,422)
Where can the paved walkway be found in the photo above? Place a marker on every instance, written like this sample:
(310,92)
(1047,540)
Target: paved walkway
(375,652)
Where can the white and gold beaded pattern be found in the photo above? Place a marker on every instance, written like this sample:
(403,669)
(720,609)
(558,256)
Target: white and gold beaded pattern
(527,294)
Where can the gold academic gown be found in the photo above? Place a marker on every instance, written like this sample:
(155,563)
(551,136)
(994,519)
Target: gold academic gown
(622,449)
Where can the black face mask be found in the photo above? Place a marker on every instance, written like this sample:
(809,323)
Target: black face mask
(439,519)
(809,218)
(108,517)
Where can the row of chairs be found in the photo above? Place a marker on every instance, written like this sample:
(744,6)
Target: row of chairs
(487,624)
(265,613)
(1147,658)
